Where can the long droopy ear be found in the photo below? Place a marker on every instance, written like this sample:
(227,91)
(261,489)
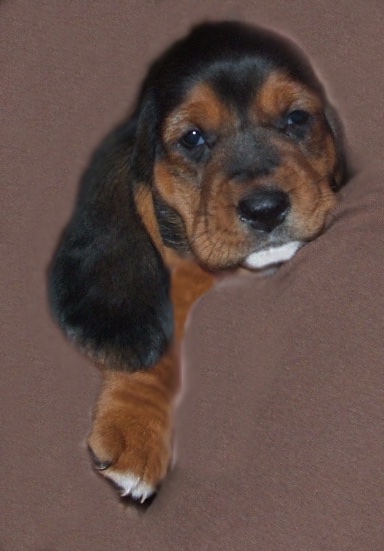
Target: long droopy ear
(343,169)
(109,288)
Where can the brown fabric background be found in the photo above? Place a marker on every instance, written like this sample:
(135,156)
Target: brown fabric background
(281,430)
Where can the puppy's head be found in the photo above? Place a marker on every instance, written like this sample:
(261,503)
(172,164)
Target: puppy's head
(247,151)
(233,153)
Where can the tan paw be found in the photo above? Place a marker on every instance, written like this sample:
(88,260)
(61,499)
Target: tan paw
(131,446)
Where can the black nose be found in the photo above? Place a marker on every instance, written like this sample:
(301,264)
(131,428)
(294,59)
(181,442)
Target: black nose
(265,209)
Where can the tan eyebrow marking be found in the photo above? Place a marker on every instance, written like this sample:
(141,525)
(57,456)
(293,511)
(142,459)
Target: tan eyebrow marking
(202,108)
(279,94)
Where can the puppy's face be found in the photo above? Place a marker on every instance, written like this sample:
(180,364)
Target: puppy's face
(230,158)
(247,159)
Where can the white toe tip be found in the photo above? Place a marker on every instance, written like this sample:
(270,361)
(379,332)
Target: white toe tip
(131,485)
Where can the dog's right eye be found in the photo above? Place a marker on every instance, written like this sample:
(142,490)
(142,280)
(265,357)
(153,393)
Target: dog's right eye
(298,118)
(192,139)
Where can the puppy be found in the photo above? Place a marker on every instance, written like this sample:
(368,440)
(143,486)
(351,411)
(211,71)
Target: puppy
(231,158)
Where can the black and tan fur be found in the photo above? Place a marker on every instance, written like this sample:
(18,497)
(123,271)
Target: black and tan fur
(158,215)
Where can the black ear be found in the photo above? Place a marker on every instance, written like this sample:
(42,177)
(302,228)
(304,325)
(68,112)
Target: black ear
(343,169)
(109,288)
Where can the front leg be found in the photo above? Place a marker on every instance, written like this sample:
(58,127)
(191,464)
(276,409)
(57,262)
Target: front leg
(131,438)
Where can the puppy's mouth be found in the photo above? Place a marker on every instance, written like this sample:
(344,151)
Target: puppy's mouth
(272,256)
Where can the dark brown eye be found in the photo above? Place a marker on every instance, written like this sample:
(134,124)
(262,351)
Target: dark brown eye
(298,118)
(192,139)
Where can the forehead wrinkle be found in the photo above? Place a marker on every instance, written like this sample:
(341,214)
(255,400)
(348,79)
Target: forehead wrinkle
(280,93)
(237,80)
(202,108)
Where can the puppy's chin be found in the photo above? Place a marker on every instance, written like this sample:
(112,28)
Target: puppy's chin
(272,256)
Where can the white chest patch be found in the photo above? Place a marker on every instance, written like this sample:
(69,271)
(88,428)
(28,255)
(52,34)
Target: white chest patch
(273,255)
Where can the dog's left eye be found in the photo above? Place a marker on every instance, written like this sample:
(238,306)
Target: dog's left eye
(297,118)
(192,139)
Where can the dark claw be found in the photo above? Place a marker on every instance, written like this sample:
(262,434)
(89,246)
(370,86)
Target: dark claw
(99,465)
(135,503)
